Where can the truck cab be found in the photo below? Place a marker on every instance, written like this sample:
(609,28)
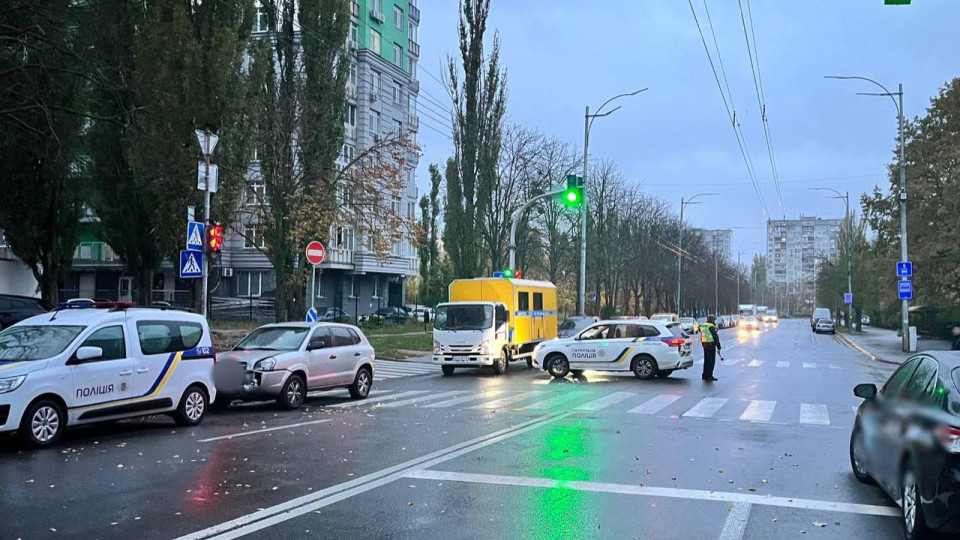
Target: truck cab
(471,334)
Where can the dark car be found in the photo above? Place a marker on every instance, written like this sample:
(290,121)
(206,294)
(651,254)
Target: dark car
(14,309)
(389,314)
(906,439)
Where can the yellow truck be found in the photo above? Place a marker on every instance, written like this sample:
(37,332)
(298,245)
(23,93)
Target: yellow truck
(492,322)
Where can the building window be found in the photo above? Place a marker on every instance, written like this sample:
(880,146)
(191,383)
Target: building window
(375,41)
(399,127)
(397,92)
(256,192)
(410,207)
(249,284)
(375,123)
(397,17)
(376,286)
(411,105)
(354,290)
(354,34)
(398,55)
(354,73)
(344,238)
(351,115)
(413,68)
(395,249)
(252,238)
(348,152)
(261,19)
(395,205)
(376,82)
(377,6)
(413,32)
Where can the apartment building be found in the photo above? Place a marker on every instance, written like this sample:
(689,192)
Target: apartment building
(719,241)
(795,250)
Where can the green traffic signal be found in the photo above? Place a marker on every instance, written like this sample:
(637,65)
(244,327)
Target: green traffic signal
(508,273)
(573,196)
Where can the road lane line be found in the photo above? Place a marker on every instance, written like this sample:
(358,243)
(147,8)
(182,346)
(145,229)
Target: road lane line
(267,517)
(417,399)
(264,430)
(656,404)
(340,393)
(706,408)
(368,401)
(783,364)
(814,413)
(809,365)
(666,492)
(835,366)
(464,399)
(552,402)
(497,403)
(733,362)
(605,401)
(736,524)
(755,363)
(759,411)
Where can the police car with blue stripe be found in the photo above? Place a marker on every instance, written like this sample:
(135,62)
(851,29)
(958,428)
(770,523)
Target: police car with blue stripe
(647,348)
(80,364)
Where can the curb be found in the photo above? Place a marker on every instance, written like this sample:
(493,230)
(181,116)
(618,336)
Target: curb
(865,352)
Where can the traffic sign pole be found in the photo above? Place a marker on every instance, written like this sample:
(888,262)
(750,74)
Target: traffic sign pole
(315,254)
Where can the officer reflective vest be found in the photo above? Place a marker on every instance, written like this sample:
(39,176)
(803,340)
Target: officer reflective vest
(706,336)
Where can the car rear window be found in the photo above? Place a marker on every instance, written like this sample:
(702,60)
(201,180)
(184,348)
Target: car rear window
(676,330)
(159,337)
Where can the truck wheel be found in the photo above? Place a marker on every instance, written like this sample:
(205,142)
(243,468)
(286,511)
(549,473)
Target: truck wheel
(529,361)
(557,366)
(447,370)
(500,364)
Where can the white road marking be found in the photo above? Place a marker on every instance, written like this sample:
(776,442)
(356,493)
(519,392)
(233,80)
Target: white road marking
(706,408)
(783,364)
(417,399)
(755,363)
(605,401)
(835,366)
(464,399)
(266,517)
(814,413)
(552,402)
(656,404)
(368,401)
(736,523)
(341,392)
(264,430)
(733,362)
(809,365)
(652,491)
(759,411)
(498,403)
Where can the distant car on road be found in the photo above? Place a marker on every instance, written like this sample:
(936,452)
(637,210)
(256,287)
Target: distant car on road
(284,361)
(665,317)
(819,313)
(574,325)
(749,322)
(14,309)
(689,325)
(824,326)
(906,439)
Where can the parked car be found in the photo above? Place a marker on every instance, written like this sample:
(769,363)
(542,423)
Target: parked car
(665,317)
(85,365)
(572,326)
(420,313)
(284,361)
(14,309)
(824,326)
(906,439)
(333,314)
(819,313)
(689,325)
(865,320)
(386,314)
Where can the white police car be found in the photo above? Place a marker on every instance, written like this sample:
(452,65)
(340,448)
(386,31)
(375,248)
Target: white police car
(647,348)
(78,366)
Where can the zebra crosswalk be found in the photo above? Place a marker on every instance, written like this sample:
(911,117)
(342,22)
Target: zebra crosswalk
(779,364)
(590,401)
(392,369)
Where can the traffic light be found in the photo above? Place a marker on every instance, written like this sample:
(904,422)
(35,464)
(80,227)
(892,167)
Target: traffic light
(510,273)
(573,195)
(214,237)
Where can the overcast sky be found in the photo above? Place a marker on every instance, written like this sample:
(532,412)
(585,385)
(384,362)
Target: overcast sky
(675,139)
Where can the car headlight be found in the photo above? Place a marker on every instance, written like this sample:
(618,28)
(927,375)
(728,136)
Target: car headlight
(11,383)
(484,349)
(265,365)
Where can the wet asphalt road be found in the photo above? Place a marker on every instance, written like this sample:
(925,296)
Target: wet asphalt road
(762,453)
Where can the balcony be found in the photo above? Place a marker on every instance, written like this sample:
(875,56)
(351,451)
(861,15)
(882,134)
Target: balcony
(414,86)
(414,122)
(414,48)
(414,13)
(351,91)
(338,258)
(377,16)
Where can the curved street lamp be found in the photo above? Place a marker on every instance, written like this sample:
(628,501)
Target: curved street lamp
(683,204)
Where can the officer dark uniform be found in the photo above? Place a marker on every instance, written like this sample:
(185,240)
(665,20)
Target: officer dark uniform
(710,340)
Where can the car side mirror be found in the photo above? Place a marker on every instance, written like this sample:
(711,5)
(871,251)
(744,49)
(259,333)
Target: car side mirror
(865,391)
(88,353)
(316,344)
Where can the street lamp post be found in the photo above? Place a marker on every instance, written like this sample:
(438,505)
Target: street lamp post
(587,124)
(683,204)
(849,219)
(898,103)
(739,254)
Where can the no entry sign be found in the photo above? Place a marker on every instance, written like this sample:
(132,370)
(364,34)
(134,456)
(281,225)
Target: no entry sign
(315,253)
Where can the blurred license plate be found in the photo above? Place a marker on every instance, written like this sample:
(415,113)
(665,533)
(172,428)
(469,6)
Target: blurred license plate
(461,358)
(229,376)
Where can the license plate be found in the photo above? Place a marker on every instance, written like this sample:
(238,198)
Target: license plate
(229,376)
(461,358)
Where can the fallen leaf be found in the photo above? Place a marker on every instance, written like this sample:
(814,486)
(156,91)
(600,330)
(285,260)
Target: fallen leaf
(819,524)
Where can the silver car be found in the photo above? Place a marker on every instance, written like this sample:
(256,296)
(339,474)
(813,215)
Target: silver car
(284,361)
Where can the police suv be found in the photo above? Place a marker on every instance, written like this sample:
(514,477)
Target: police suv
(647,348)
(79,365)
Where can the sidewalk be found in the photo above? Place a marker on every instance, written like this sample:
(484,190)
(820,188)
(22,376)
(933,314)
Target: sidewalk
(885,345)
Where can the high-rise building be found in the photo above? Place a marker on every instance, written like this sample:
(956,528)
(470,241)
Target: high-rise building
(795,250)
(719,241)
(382,91)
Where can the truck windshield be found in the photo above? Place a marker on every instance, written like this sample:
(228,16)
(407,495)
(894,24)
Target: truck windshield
(463,318)
(25,343)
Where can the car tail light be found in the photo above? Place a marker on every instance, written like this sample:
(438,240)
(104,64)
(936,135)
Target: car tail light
(675,342)
(949,438)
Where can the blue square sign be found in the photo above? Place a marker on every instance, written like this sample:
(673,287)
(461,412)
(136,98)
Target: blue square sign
(194,235)
(904,268)
(191,264)
(848,298)
(905,289)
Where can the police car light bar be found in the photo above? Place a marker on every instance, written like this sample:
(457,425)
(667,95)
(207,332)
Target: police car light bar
(85,304)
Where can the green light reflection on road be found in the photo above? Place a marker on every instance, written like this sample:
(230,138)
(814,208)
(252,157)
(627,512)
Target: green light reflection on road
(564,447)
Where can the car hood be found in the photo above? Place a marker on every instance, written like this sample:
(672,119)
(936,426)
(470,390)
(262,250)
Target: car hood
(250,358)
(14,368)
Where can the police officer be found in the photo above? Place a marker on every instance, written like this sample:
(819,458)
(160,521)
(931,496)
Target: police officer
(710,340)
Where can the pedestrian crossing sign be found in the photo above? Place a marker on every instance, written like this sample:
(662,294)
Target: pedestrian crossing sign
(191,264)
(194,236)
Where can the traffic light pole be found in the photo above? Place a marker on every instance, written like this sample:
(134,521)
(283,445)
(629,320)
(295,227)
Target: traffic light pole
(515,220)
(206,221)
